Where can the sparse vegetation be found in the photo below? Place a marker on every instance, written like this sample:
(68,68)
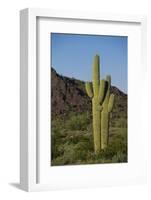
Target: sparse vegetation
(72,141)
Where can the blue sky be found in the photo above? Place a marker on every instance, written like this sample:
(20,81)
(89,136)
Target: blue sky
(72,55)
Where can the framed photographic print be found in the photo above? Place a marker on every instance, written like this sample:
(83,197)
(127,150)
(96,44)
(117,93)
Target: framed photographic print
(81,78)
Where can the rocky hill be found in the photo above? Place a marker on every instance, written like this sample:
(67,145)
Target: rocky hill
(68,94)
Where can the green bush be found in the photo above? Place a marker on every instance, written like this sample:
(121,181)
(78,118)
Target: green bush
(78,122)
(121,123)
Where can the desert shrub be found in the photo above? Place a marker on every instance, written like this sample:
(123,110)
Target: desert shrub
(72,154)
(119,157)
(78,122)
(121,123)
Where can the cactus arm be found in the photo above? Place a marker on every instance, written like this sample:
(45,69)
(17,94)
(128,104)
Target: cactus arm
(96,75)
(107,89)
(101,94)
(105,113)
(89,89)
(111,103)
(108,78)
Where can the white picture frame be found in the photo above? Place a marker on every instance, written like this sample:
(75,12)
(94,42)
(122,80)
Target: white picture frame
(30,166)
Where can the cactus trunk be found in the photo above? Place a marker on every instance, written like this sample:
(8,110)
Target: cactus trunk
(104,129)
(93,91)
(96,126)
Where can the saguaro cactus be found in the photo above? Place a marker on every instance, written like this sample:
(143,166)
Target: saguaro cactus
(96,91)
(102,104)
(105,113)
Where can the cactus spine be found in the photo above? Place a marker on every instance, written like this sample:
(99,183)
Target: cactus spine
(96,91)
(102,104)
